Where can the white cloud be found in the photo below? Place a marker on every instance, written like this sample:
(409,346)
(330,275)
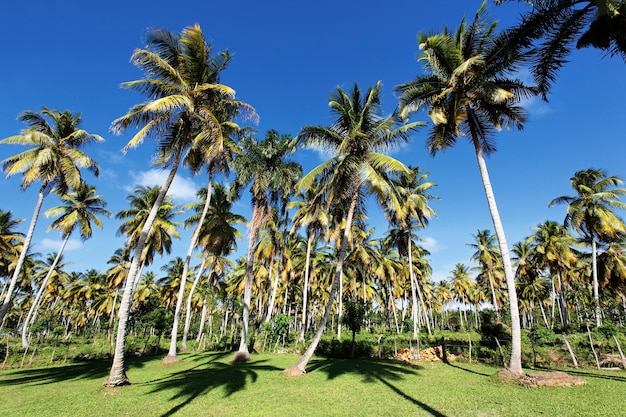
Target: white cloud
(55,245)
(182,188)
(430,244)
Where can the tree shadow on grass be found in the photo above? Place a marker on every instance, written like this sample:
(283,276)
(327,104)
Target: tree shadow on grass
(374,371)
(188,384)
(590,373)
(467,370)
(92,369)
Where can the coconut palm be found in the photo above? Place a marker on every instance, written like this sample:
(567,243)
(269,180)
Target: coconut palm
(54,159)
(355,139)
(217,236)
(461,284)
(266,167)
(590,214)
(557,26)
(413,212)
(552,245)
(81,209)
(488,257)
(468,92)
(179,114)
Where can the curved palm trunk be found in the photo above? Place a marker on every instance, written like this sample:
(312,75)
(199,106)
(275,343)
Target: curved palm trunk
(413,291)
(493,295)
(272,300)
(183,343)
(515,364)
(299,367)
(35,307)
(20,262)
(305,290)
(594,274)
(243,354)
(171,354)
(117,375)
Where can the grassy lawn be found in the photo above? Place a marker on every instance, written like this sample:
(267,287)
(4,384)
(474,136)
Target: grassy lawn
(207,384)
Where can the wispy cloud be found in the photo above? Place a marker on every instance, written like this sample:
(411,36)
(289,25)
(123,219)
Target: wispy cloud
(182,189)
(54,245)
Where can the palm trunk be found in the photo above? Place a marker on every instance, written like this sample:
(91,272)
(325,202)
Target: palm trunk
(493,295)
(305,290)
(594,274)
(243,354)
(413,291)
(340,307)
(272,300)
(183,343)
(300,366)
(6,304)
(117,376)
(42,288)
(515,364)
(171,354)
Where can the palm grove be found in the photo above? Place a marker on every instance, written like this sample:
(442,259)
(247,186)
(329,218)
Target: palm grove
(312,262)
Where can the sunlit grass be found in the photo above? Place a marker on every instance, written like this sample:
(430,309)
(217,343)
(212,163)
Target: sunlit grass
(207,384)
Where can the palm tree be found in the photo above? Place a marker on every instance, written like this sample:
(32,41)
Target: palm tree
(265,166)
(552,247)
(413,211)
(54,159)
(461,283)
(559,25)
(590,214)
(179,113)
(468,92)
(488,256)
(354,139)
(312,215)
(217,235)
(10,241)
(81,210)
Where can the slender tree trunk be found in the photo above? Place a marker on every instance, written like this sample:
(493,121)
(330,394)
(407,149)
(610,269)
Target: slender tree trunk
(299,367)
(562,303)
(594,274)
(42,288)
(413,290)
(305,290)
(340,307)
(493,295)
(515,364)
(171,354)
(183,343)
(6,304)
(117,376)
(243,354)
(270,304)
(543,313)
(202,320)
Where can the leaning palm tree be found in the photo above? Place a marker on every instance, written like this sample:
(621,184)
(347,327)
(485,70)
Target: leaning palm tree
(179,114)
(271,175)
(54,159)
(468,92)
(81,209)
(590,214)
(357,167)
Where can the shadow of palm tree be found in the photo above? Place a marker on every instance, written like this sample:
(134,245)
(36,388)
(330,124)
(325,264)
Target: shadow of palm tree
(590,374)
(374,371)
(209,375)
(467,370)
(92,369)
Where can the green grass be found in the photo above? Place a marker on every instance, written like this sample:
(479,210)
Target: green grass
(207,384)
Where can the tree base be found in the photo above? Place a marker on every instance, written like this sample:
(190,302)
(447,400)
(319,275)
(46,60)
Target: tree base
(170,359)
(241,357)
(115,382)
(294,370)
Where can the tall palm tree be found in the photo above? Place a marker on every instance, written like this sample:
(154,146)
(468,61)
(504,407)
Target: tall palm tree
(559,25)
(218,236)
(179,114)
(488,256)
(355,139)
(590,214)
(413,212)
(461,284)
(54,159)
(81,209)
(271,175)
(468,92)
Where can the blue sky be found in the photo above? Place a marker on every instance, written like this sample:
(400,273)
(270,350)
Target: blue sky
(289,56)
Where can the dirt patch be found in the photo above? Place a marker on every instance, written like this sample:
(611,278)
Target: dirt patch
(293,370)
(550,379)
